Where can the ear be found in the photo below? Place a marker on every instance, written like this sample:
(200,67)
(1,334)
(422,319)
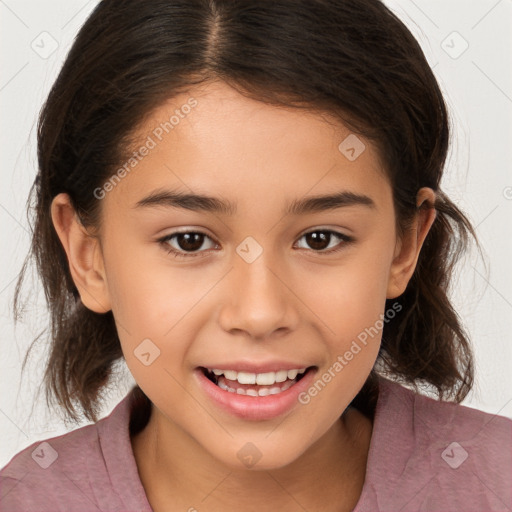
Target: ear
(409,246)
(84,255)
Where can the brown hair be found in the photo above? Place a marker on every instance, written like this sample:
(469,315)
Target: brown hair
(353,59)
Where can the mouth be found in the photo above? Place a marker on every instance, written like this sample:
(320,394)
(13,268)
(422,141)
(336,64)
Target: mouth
(256,384)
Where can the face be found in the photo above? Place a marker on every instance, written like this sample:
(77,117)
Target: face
(272,281)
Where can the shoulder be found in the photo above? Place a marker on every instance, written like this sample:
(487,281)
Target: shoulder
(436,455)
(426,415)
(43,453)
(40,473)
(76,471)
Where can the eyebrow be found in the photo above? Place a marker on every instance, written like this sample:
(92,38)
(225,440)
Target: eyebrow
(209,204)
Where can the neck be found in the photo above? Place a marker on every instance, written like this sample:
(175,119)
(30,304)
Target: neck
(174,468)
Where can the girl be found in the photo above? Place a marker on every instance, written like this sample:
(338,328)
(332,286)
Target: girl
(242,200)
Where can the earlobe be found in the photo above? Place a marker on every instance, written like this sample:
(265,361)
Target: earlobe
(84,255)
(409,246)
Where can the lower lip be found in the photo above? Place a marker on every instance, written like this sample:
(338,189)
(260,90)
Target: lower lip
(255,408)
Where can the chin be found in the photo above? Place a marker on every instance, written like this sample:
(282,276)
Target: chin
(259,456)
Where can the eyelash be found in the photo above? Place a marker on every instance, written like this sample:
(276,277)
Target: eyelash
(179,254)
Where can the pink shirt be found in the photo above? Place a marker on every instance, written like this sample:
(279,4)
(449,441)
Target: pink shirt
(424,455)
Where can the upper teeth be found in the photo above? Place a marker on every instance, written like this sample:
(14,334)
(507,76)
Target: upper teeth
(262,379)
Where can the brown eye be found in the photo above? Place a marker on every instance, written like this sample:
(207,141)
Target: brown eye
(190,241)
(317,239)
(321,240)
(186,243)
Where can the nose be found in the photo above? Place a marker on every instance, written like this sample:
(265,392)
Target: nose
(259,301)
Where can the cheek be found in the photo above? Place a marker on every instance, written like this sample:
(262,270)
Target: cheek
(349,297)
(150,313)
(349,301)
(153,299)
(150,294)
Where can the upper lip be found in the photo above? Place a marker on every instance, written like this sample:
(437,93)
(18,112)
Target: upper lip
(252,367)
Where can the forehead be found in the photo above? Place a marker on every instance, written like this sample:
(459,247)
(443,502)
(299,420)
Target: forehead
(214,139)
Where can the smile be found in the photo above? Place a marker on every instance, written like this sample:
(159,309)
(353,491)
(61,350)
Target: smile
(254,384)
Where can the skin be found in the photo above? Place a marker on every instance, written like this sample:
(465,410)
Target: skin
(292,303)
